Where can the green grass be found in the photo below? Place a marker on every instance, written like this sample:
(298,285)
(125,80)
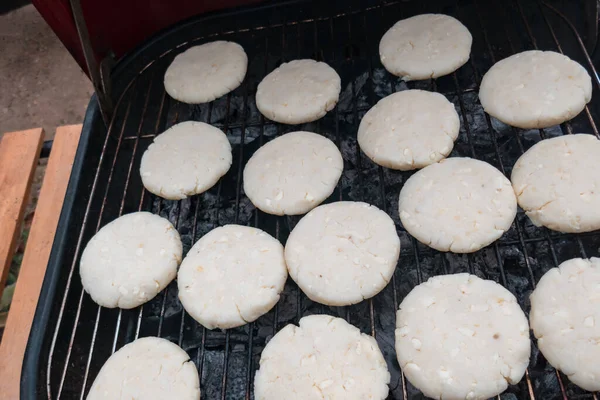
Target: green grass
(11,281)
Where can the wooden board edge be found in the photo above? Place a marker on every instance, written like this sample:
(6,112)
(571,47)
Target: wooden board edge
(35,260)
(19,154)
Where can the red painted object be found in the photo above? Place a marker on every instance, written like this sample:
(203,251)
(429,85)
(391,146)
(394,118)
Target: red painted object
(121,25)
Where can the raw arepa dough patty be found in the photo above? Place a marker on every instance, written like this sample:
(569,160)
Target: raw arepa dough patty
(293,173)
(461,337)
(188,158)
(409,129)
(298,91)
(459,205)
(130,260)
(147,368)
(425,46)
(231,276)
(324,358)
(203,73)
(535,89)
(342,253)
(557,183)
(565,317)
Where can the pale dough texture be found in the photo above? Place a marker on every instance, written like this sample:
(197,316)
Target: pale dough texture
(231,276)
(188,158)
(147,368)
(323,358)
(565,318)
(535,89)
(409,129)
(203,73)
(461,337)
(342,253)
(130,260)
(293,173)
(458,205)
(298,91)
(425,46)
(557,183)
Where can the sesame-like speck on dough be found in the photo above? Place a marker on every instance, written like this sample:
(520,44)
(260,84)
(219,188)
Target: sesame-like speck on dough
(298,91)
(342,253)
(409,129)
(323,358)
(565,318)
(557,183)
(425,46)
(292,174)
(461,337)
(459,205)
(187,159)
(231,276)
(147,368)
(535,89)
(204,73)
(130,260)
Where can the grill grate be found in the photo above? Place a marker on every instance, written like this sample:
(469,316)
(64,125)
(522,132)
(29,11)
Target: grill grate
(81,336)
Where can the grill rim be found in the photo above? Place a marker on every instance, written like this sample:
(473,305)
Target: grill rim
(29,381)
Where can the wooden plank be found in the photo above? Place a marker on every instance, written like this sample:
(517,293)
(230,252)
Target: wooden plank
(35,259)
(19,152)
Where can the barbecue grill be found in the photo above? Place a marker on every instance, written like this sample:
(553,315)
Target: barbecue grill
(72,336)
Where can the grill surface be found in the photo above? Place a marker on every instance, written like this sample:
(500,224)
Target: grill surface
(75,337)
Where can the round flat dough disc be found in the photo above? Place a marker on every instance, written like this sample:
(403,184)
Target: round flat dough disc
(535,89)
(298,91)
(231,276)
(342,253)
(130,260)
(459,205)
(188,158)
(206,72)
(324,358)
(425,46)
(557,183)
(409,129)
(565,318)
(293,173)
(461,337)
(147,368)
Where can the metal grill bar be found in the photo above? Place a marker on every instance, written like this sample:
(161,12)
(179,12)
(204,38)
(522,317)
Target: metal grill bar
(69,279)
(357,154)
(502,168)
(93,341)
(357,53)
(236,220)
(140,207)
(200,355)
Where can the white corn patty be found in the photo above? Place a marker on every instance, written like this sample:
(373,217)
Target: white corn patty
(565,318)
(558,185)
(298,91)
(130,260)
(409,129)
(147,368)
(187,159)
(324,358)
(535,89)
(461,337)
(425,46)
(203,73)
(231,276)
(342,253)
(458,205)
(293,173)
